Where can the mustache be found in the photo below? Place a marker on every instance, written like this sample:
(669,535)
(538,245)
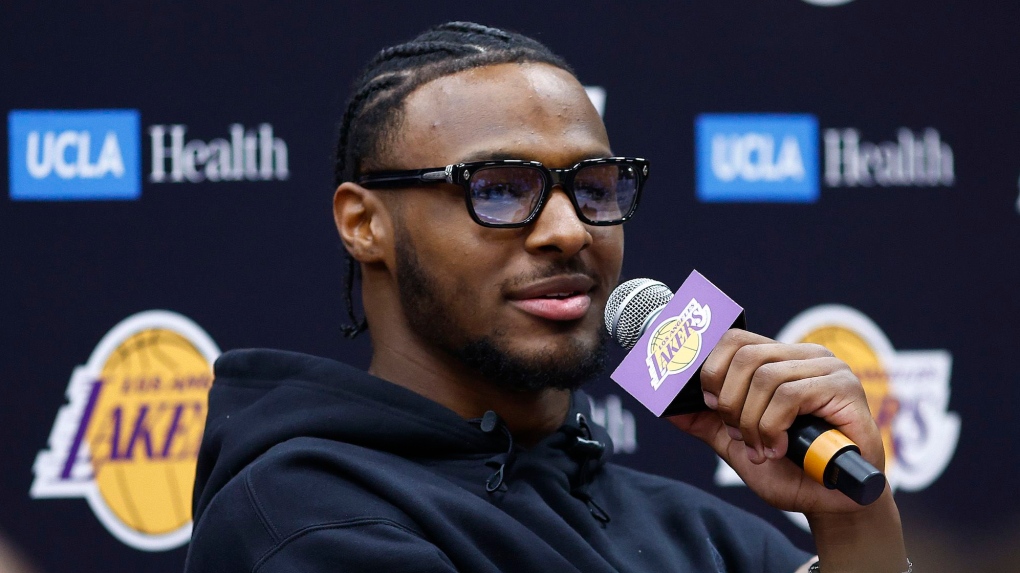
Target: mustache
(568,267)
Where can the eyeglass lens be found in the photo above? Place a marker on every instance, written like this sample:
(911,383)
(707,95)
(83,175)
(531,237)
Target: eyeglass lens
(605,192)
(508,194)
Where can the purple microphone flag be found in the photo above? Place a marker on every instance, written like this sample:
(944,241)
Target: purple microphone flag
(661,371)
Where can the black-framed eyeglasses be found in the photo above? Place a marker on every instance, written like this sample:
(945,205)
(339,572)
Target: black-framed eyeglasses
(511,192)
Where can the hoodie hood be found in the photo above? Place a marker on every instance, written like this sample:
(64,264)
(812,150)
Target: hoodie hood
(261,398)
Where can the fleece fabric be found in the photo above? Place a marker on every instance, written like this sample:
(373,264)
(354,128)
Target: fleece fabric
(311,465)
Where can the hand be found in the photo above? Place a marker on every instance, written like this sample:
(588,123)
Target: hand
(756,387)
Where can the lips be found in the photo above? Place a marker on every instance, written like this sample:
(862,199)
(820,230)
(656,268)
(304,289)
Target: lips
(561,298)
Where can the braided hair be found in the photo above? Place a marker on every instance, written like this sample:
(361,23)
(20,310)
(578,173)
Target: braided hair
(373,111)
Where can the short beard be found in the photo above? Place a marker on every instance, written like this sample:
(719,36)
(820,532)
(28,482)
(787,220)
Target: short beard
(428,317)
(547,371)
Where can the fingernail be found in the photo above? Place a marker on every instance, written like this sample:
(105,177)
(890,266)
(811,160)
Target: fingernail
(710,400)
(752,454)
(770,453)
(734,434)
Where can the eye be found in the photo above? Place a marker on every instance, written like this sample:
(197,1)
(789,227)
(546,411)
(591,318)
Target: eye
(597,183)
(593,191)
(501,190)
(500,184)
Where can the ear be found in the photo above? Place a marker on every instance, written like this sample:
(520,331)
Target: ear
(363,221)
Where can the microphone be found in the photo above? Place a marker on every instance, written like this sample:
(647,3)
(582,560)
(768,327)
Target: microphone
(825,453)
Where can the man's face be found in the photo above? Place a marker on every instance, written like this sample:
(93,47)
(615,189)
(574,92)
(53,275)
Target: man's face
(523,306)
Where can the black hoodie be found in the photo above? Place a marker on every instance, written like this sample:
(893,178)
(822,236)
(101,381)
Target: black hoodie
(310,465)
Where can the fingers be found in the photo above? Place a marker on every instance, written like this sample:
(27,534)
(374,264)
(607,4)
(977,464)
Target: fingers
(812,395)
(758,386)
(793,386)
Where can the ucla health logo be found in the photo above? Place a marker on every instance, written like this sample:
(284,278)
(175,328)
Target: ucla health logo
(74,155)
(676,343)
(757,157)
(127,440)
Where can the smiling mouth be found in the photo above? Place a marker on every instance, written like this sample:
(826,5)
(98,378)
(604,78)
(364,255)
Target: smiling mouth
(562,298)
(558,307)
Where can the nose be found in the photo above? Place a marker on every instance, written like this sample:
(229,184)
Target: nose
(557,228)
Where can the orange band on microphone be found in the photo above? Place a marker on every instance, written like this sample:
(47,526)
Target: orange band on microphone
(822,450)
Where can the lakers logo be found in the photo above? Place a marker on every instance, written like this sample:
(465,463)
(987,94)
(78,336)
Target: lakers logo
(128,438)
(907,390)
(864,361)
(676,342)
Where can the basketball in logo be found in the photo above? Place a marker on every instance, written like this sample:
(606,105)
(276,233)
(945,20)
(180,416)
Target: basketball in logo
(675,344)
(128,439)
(864,361)
(667,338)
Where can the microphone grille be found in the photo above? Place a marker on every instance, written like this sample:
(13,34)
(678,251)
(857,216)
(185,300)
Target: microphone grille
(631,305)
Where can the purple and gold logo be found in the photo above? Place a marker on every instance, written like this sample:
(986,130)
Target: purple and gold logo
(128,438)
(676,343)
(677,339)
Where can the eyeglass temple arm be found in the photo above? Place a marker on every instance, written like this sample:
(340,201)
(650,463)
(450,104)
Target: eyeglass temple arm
(396,178)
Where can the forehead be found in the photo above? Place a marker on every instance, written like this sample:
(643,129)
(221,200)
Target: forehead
(522,111)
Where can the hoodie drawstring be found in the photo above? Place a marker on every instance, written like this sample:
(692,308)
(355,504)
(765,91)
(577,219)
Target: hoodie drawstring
(581,446)
(489,423)
(585,449)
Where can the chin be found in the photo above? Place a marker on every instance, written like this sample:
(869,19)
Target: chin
(564,361)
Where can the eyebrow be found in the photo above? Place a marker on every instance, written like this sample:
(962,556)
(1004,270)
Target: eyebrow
(503,155)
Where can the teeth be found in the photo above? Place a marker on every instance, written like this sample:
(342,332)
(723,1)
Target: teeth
(558,295)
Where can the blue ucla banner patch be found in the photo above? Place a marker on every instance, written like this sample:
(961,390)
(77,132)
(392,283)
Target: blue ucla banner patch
(74,155)
(757,158)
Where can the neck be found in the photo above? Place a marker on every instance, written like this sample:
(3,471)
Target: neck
(530,416)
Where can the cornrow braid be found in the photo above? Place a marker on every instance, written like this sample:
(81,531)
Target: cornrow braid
(415,49)
(373,111)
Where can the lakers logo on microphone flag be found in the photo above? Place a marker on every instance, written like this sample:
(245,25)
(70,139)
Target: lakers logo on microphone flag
(675,345)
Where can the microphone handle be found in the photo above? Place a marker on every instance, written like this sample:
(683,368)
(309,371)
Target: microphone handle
(833,460)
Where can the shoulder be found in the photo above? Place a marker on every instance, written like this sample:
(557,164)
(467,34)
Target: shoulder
(295,494)
(308,481)
(700,521)
(668,493)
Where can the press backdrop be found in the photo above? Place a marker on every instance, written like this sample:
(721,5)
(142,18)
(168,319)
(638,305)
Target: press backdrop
(845,170)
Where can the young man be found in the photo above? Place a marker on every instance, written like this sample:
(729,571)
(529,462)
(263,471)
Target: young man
(480,199)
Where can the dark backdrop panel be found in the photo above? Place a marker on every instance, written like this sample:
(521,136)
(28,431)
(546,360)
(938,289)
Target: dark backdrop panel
(257,263)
